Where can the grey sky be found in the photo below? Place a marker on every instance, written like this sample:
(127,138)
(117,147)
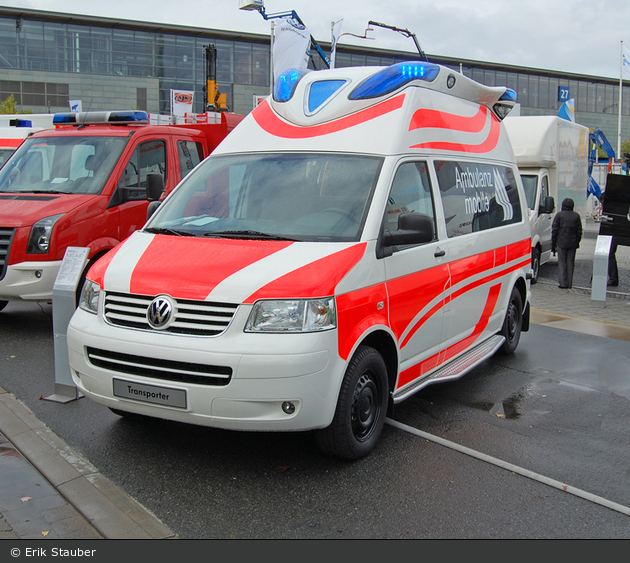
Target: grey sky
(582,36)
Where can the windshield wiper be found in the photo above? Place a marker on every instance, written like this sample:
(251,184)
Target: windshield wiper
(44,192)
(248,235)
(165,231)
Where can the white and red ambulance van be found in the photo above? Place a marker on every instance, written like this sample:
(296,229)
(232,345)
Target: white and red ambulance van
(360,235)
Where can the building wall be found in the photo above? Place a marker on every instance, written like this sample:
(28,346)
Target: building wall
(96,92)
(244,97)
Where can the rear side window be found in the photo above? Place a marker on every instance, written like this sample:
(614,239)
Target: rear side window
(477,196)
(190,154)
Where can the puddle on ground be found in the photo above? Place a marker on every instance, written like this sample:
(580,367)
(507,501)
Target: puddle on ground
(506,409)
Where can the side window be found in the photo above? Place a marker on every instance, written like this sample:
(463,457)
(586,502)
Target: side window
(411,191)
(149,156)
(477,196)
(190,154)
(544,189)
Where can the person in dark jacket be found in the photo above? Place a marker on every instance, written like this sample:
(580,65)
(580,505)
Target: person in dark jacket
(566,234)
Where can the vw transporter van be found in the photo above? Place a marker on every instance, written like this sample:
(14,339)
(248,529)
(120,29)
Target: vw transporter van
(360,235)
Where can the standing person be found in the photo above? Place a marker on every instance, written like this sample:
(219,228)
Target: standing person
(566,234)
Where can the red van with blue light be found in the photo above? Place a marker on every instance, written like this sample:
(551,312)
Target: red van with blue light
(84,184)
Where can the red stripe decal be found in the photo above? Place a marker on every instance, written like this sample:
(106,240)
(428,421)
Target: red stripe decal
(272,124)
(487,145)
(438,119)
(317,279)
(191,267)
(468,267)
(434,361)
(97,271)
(12,143)
(357,311)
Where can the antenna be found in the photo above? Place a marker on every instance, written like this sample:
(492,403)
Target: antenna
(406,33)
(85,114)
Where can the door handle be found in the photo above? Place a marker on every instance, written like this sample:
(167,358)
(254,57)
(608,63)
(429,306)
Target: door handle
(439,253)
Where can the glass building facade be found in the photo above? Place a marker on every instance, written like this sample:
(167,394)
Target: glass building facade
(47,59)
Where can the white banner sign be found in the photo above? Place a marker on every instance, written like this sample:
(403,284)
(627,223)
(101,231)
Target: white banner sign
(291,46)
(75,106)
(181,102)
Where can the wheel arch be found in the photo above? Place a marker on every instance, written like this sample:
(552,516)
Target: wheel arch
(521,285)
(383,342)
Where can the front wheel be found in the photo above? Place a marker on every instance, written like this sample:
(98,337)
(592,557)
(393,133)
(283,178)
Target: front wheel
(513,323)
(3,304)
(361,408)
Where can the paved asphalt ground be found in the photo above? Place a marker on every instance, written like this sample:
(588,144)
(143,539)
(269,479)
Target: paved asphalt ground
(49,491)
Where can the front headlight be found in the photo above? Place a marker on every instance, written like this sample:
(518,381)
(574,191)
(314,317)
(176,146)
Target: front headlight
(299,315)
(41,233)
(89,297)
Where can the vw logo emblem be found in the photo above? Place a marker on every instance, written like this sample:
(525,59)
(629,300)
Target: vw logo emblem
(160,312)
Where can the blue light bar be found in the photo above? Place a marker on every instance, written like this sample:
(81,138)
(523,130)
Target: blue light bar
(20,123)
(505,104)
(394,77)
(510,95)
(64,118)
(285,85)
(101,117)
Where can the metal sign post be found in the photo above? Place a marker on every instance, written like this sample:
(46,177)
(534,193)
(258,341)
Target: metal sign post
(64,305)
(600,268)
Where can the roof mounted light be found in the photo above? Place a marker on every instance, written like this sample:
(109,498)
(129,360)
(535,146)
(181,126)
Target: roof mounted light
(20,123)
(394,77)
(101,118)
(505,103)
(285,85)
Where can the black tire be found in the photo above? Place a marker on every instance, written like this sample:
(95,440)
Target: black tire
(361,408)
(535,264)
(513,323)
(3,304)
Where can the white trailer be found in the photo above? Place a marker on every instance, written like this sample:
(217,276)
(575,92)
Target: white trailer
(552,157)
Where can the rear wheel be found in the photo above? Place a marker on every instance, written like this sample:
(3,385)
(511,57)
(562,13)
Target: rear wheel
(3,304)
(361,408)
(535,264)
(513,323)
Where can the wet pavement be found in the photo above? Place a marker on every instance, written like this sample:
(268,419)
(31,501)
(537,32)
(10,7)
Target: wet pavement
(49,491)
(31,508)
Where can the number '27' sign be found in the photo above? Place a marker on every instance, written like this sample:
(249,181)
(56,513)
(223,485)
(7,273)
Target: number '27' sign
(564,93)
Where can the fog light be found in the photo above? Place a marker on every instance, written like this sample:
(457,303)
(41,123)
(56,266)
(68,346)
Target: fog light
(38,274)
(288,407)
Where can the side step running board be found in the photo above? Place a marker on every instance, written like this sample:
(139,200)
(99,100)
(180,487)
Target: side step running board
(455,368)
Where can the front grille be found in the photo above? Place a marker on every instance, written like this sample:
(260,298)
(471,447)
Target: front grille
(168,370)
(191,318)
(6,237)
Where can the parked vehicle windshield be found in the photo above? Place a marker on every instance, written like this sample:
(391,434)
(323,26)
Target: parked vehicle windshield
(294,196)
(76,165)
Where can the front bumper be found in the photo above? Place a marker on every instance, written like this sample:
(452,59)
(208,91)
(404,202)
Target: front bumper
(267,372)
(29,281)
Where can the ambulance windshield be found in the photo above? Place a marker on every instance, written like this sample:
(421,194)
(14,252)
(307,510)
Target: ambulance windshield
(68,165)
(294,196)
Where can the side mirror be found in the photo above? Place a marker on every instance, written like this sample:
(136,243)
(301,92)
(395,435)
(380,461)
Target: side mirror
(152,208)
(413,228)
(155,186)
(548,206)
